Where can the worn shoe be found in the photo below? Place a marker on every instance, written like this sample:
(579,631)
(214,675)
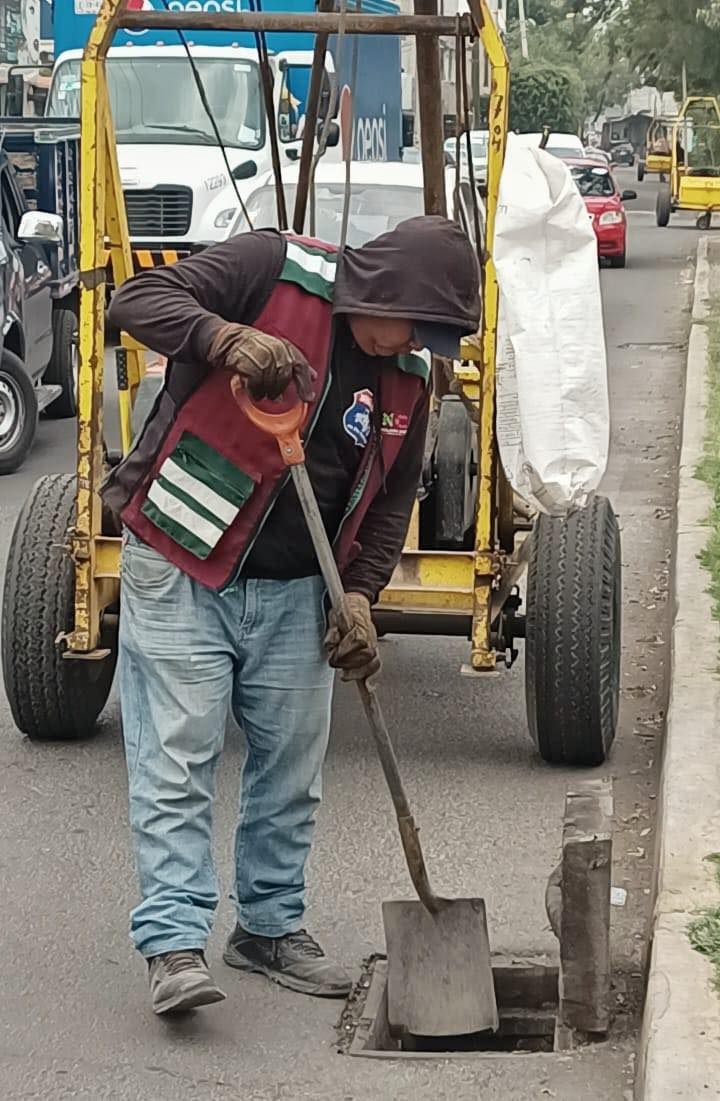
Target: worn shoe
(295,960)
(181,980)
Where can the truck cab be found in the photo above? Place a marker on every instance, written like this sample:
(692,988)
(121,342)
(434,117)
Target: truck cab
(181,192)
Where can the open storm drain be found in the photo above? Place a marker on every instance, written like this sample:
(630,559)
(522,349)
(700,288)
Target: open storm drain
(544,1004)
(527,998)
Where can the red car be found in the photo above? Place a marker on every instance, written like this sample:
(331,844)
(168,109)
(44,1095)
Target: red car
(604,203)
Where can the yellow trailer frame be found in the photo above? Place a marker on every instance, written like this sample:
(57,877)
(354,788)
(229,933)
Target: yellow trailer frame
(693,192)
(425,581)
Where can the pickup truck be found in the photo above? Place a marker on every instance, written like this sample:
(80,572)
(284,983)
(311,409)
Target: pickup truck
(38,281)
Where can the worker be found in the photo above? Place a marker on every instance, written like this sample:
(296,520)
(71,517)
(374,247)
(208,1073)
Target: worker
(222,599)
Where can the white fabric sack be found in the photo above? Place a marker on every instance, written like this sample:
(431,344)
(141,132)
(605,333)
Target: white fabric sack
(553,418)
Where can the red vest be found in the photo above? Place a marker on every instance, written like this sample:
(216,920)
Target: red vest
(216,475)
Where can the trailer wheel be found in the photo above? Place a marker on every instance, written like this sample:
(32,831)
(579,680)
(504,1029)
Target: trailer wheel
(663,205)
(50,697)
(62,369)
(455,469)
(572,652)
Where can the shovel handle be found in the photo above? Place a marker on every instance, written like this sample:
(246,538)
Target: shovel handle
(283,427)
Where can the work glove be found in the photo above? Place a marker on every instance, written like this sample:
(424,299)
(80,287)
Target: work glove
(353,651)
(267,364)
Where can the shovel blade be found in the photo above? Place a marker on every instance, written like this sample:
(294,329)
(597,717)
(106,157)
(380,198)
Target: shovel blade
(440,980)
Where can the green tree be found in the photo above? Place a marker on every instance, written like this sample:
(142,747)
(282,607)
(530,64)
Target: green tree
(545,95)
(662,35)
(580,37)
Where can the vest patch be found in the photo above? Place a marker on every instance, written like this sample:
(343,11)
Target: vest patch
(394,424)
(313,269)
(196,495)
(357,418)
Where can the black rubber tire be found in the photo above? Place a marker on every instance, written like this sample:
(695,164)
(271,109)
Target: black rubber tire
(663,205)
(61,370)
(618,261)
(50,697)
(18,385)
(454,472)
(641,171)
(704,221)
(572,649)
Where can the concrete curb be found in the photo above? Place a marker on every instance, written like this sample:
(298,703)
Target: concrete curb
(680,1041)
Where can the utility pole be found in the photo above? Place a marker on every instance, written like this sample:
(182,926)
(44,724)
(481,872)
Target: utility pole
(523,30)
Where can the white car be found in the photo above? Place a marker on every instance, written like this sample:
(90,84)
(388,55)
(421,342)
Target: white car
(382,194)
(479,140)
(565,146)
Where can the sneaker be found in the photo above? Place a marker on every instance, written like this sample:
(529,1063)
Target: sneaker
(295,960)
(181,980)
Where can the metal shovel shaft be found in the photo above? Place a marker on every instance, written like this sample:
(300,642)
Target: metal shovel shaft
(371,704)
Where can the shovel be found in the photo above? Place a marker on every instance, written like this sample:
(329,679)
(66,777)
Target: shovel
(440,980)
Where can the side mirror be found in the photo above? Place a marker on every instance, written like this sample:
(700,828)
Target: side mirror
(333,137)
(245,171)
(628,195)
(46,229)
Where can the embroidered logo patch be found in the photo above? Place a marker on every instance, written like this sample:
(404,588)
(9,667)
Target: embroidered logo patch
(357,418)
(394,424)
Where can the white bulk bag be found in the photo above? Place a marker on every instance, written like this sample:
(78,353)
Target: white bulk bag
(552,394)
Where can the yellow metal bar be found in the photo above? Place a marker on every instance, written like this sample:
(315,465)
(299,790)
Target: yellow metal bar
(91,354)
(144,258)
(439,581)
(482,655)
(91,593)
(170,256)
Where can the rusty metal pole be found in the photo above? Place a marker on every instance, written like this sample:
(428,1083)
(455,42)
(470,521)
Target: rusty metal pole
(429,88)
(317,75)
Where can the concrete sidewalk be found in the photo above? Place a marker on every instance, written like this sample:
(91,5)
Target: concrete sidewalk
(680,1045)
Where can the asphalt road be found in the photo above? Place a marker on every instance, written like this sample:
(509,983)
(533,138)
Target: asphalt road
(75,1020)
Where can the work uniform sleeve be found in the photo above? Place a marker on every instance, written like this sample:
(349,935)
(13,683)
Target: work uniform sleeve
(384,527)
(176,310)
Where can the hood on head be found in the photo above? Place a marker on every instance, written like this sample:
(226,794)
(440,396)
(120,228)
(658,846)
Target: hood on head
(424,270)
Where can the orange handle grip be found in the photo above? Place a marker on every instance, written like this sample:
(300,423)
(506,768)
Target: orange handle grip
(284,427)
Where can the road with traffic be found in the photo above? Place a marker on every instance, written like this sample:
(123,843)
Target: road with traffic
(75,1020)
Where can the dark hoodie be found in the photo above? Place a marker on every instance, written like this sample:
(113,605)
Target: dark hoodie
(424,269)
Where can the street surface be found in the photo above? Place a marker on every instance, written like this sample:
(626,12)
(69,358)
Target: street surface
(75,1020)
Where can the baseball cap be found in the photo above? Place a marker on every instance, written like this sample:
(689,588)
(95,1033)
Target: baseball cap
(441,340)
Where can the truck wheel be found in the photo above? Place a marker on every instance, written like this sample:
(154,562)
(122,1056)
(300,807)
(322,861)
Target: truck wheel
(62,370)
(618,261)
(663,205)
(50,697)
(455,471)
(572,650)
(18,412)
(641,171)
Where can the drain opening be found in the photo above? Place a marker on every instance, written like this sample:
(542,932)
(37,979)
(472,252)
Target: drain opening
(526,992)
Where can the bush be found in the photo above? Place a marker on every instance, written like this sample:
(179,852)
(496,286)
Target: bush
(545,95)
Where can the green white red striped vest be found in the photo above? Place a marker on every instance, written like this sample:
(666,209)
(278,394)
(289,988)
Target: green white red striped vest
(216,475)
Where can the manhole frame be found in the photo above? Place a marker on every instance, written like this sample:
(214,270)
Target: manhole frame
(527,997)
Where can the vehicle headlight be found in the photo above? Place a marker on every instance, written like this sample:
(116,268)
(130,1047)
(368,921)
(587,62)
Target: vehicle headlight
(611,218)
(225,217)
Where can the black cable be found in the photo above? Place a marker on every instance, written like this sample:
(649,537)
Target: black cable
(211,117)
(267,87)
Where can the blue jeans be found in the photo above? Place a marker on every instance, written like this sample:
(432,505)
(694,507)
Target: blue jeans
(186,655)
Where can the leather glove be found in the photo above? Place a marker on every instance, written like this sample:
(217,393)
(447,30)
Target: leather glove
(266,363)
(353,651)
